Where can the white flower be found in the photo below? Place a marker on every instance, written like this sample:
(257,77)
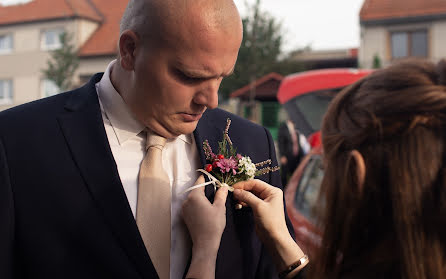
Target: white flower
(246,165)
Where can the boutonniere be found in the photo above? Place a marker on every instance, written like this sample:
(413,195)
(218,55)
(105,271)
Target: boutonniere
(227,167)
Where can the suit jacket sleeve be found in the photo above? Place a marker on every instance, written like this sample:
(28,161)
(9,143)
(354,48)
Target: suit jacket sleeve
(6,219)
(266,267)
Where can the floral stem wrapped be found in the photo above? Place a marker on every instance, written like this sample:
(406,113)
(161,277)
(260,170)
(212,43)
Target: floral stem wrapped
(230,167)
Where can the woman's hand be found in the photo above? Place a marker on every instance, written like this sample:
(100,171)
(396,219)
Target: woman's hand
(206,223)
(266,202)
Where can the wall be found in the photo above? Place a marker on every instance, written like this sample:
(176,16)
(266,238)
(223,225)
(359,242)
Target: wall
(89,66)
(25,63)
(373,41)
(376,40)
(438,40)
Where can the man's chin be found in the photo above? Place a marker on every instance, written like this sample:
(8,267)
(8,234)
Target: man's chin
(187,128)
(173,131)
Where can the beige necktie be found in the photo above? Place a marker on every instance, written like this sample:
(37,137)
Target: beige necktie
(153,207)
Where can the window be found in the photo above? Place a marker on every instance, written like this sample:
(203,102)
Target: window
(51,39)
(49,88)
(409,43)
(313,106)
(5,92)
(307,193)
(5,44)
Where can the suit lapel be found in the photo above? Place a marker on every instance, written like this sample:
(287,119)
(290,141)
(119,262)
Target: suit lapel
(231,262)
(84,131)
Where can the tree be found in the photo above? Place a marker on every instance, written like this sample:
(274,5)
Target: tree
(62,64)
(259,52)
(376,62)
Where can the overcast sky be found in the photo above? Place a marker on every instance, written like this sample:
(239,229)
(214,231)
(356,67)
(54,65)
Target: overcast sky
(322,24)
(13,2)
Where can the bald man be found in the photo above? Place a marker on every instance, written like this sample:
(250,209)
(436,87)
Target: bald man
(70,164)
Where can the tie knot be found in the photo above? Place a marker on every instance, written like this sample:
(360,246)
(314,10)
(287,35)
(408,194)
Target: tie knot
(154,140)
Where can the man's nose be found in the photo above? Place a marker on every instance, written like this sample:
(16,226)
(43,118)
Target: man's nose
(208,95)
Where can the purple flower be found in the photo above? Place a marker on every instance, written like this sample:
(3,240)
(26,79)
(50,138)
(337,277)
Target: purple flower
(208,151)
(226,165)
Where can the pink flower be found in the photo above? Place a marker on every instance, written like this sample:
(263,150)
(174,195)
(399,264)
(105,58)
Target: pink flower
(226,165)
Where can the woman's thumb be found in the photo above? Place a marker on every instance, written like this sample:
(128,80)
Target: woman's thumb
(247,197)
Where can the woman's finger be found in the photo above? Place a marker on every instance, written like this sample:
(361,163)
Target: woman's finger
(220,196)
(247,197)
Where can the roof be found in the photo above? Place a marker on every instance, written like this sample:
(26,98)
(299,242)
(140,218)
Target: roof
(327,54)
(102,42)
(266,87)
(316,80)
(38,10)
(105,40)
(373,10)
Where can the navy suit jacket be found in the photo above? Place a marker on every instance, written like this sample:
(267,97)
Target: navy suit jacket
(63,210)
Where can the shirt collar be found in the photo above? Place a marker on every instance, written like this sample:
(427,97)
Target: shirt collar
(186,138)
(124,124)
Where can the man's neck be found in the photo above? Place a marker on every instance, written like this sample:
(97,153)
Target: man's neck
(118,78)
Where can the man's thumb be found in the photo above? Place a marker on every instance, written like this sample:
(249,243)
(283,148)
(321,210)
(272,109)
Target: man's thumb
(247,197)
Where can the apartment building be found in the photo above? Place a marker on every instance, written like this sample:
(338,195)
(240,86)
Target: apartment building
(30,30)
(395,29)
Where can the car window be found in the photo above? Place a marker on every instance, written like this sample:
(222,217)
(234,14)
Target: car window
(306,201)
(313,106)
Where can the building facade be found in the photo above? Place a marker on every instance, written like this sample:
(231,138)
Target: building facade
(30,30)
(328,58)
(396,29)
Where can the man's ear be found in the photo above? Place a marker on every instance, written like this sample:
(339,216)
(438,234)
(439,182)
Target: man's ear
(360,168)
(128,43)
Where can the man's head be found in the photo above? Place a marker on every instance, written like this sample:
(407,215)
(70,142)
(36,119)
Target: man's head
(172,58)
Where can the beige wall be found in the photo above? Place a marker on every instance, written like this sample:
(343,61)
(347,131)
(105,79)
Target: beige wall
(91,66)
(438,40)
(376,40)
(25,63)
(85,29)
(373,42)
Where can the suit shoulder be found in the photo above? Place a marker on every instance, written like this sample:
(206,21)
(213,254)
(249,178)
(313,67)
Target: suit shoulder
(219,117)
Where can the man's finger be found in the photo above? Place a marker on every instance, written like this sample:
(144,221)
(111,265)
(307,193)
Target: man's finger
(247,197)
(220,196)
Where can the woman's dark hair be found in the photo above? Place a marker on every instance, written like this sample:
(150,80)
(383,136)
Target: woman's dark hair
(394,224)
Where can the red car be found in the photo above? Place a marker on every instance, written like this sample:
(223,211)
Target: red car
(306,96)
(301,197)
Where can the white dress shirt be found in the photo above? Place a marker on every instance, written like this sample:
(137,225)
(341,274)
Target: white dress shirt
(127,139)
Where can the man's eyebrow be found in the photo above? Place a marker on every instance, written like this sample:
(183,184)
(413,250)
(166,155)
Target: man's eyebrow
(204,74)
